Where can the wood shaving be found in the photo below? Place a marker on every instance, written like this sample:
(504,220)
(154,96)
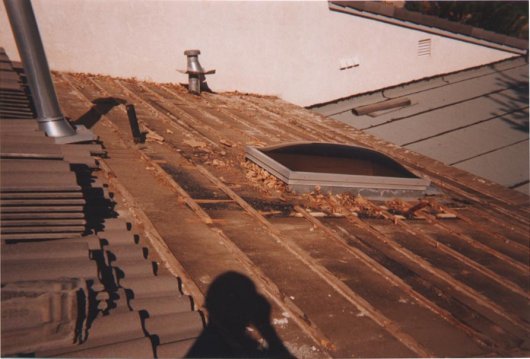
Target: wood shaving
(194,143)
(261,178)
(226,142)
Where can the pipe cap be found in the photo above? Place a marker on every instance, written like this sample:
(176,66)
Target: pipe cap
(192,52)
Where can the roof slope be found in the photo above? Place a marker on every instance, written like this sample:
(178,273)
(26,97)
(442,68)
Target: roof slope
(340,276)
(475,120)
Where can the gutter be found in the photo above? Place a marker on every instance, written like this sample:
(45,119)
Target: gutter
(428,29)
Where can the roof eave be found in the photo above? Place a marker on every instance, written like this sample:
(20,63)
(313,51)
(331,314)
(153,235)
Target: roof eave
(475,35)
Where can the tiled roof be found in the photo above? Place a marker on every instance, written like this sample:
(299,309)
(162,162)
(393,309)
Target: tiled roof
(316,275)
(76,280)
(404,16)
(476,119)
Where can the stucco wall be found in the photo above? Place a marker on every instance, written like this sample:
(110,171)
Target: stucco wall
(289,49)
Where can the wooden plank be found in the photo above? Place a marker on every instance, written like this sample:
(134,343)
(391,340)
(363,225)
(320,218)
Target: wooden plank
(171,117)
(340,287)
(213,201)
(180,191)
(484,305)
(522,268)
(395,280)
(507,283)
(165,253)
(237,199)
(266,285)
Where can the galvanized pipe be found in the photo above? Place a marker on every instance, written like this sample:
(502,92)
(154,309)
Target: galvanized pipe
(31,50)
(194,71)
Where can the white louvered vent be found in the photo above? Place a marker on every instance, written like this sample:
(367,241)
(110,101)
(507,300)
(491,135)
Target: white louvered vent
(424,47)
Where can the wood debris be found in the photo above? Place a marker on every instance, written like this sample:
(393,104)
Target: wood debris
(226,142)
(318,214)
(446,215)
(262,178)
(154,137)
(194,143)
(218,163)
(403,210)
(270,213)
(341,205)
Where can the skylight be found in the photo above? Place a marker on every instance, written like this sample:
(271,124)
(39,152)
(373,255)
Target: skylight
(338,168)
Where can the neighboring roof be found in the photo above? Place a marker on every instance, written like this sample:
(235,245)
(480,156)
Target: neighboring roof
(338,276)
(385,11)
(475,120)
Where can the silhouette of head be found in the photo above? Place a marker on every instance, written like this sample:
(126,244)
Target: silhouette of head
(233,304)
(232,299)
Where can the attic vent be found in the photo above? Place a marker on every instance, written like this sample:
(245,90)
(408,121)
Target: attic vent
(424,47)
(338,168)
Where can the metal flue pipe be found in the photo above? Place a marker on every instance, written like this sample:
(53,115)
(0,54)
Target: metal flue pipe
(31,50)
(196,74)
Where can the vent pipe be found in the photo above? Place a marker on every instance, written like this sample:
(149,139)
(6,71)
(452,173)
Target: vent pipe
(196,74)
(31,50)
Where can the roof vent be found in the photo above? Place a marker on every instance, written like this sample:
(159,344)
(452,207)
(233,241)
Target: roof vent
(424,47)
(338,168)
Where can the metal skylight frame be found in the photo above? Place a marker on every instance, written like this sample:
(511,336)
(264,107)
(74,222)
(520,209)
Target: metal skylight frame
(301,181)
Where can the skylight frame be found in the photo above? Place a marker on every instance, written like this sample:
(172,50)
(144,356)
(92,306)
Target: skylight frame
(301,181)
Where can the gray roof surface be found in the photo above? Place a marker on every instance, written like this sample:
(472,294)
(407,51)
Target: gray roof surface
(476,120)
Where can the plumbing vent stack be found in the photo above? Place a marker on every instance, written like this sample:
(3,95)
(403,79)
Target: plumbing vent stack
(31,50)
(196,74)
